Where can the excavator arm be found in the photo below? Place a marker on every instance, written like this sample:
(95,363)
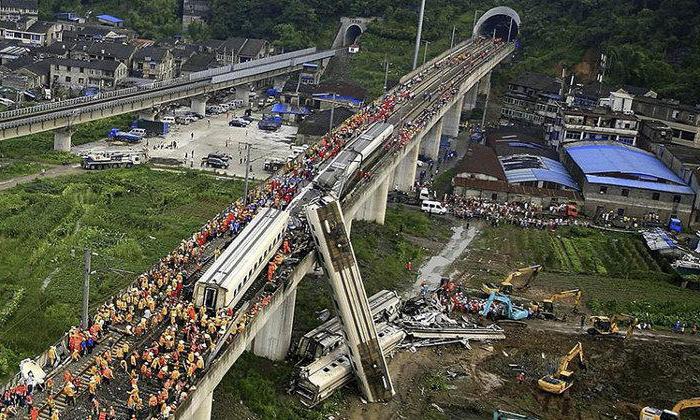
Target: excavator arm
(576,351)
(689,403)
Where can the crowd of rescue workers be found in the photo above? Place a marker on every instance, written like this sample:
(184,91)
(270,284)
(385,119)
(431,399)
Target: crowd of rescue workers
(155,307)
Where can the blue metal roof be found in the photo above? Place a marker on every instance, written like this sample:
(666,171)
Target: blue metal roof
(633,183)
(617,164)
(281,108)
(109,18)
(526,168)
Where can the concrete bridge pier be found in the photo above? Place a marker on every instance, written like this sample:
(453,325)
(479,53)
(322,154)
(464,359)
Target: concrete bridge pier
(470,99)
(405,173)
(62,139)
(485,84)
(430,143)
(243,94)
(379,201)
(204,410)
(199,105)
(450,121)
(274,339)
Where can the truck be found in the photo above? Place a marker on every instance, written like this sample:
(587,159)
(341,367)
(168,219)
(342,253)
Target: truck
(217,160)
(132,136)
(105,160)
(270,123)
(154,128)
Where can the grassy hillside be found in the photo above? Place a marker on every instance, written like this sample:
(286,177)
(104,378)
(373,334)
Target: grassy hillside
(130,218)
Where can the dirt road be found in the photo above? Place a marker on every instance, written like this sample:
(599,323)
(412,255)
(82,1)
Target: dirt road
(48,173)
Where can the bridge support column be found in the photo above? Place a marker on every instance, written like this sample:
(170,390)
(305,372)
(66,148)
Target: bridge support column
(273,340)
(379,201)
(470,98)
(62,139)
(450,121)
(485,84)
(430,143)
(243,94)
(405,172)
(204,410)
(199,105)
(365,211)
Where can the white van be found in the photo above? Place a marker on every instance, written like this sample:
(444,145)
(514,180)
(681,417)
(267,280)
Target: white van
(433,207)
(169,120)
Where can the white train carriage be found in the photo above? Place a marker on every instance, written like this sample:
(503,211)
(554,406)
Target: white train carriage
(319,379)
(328,336)
(347,162)
(225,282)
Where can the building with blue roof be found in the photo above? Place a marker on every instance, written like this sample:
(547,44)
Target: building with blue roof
(537,171)
(627,181)
(110,20)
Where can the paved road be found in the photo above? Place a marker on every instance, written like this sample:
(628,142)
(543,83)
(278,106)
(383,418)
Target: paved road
(49,173)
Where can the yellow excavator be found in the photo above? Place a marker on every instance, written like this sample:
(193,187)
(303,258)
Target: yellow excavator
(547,307)
(651,413)
(610,327)
(528,275)
(561,380)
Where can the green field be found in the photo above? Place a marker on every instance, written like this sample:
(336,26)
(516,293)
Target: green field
(39,147)
(14,169)
(130,218)
(615,270)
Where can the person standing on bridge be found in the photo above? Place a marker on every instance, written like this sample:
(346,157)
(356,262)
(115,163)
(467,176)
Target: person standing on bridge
(69,393)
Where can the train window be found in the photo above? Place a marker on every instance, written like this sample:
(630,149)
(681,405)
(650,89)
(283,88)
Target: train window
(341,360)
(334,364)
(326,369)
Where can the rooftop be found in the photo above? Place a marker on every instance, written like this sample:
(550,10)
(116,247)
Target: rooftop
(529,168)
(108,65)
(317,123)
(110,18)
(481,159)
(537,81)
(619,164)
(19,4)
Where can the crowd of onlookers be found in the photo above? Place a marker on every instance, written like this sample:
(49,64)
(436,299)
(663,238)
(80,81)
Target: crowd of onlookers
(156,303)
(526,215)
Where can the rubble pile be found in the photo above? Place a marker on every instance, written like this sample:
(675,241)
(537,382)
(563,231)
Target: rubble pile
(419,322)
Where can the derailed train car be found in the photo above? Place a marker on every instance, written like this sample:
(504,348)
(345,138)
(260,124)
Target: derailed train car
(347,163)
(225,282)
(328,336)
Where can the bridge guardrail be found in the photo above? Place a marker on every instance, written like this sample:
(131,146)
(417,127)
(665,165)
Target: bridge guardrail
(154,85)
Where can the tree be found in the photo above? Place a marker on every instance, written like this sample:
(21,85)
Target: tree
(290,38)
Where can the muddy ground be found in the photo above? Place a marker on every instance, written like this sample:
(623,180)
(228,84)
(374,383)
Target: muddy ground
(620,377)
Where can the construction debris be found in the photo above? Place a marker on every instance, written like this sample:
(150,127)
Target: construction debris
(419,322)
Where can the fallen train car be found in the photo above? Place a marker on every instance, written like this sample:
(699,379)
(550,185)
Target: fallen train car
(328,336)
(225,282)
(319,379)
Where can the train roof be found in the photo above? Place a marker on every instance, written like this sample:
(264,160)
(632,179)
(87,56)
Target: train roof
(266,221)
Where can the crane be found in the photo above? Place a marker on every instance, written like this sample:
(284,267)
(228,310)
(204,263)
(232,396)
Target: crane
(604,326)
(527,273)
(651,413)
(547,307)
(561,380)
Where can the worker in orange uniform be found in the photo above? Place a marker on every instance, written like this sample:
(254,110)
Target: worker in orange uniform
(271,268)
(286,248)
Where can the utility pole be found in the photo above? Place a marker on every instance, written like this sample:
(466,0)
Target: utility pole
(419,33)
(330,124)
(386,72)
(247,171)
(486,107)
(452,42)
(86,286)
(425,51)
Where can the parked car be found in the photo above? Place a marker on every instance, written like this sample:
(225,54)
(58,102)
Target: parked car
(238,122)
(217,160)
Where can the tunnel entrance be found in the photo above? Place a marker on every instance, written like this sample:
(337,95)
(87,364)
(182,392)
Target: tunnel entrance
(499,20)
(351,34)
